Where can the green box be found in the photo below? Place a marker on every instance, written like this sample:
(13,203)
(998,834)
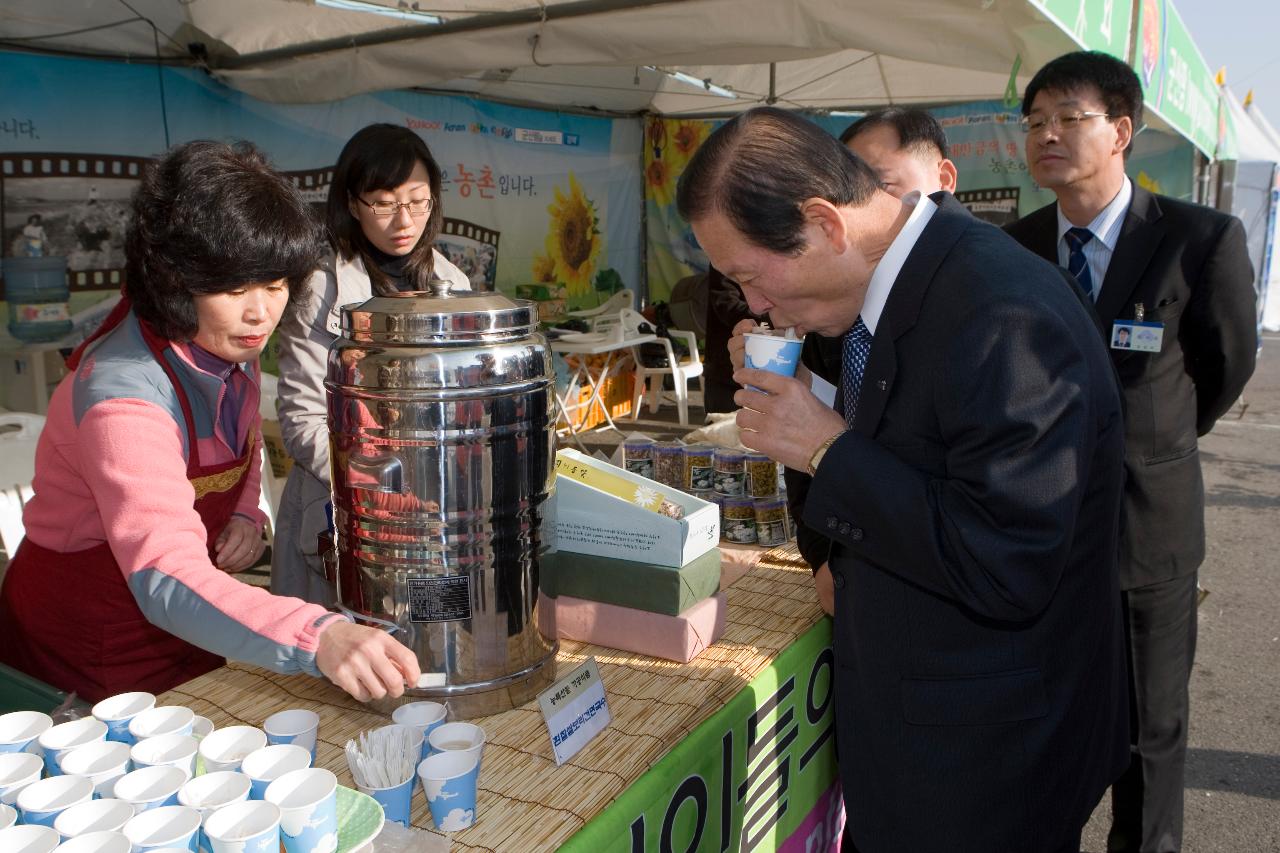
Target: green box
(21,692)
(643,586)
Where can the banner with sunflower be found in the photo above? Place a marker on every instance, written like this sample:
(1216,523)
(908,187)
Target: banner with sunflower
(673,253)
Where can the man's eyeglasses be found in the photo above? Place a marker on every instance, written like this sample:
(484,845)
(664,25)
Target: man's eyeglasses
(1058,122)
(417,207)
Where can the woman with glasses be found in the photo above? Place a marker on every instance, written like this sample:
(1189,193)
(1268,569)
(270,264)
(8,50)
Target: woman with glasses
(383,216)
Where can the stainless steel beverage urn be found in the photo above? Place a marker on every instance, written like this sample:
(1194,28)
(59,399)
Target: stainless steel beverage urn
(441,420)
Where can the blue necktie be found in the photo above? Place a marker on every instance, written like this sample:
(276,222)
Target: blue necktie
(854,349)
(1077,263)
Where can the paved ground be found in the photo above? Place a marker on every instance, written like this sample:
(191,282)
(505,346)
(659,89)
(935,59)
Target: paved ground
(1233,766)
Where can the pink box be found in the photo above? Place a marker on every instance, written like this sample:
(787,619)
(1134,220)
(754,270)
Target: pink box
(679,638)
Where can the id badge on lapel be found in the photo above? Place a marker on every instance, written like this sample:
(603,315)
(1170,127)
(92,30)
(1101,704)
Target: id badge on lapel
(1137,334)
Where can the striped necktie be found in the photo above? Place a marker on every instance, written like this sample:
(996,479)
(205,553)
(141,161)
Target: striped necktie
(1077,263)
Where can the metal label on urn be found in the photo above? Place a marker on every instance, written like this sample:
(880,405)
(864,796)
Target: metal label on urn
(441,598)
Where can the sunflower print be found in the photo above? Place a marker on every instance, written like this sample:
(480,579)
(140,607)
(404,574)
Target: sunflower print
(574,241)
(660,181)
(686,137)
(544,269)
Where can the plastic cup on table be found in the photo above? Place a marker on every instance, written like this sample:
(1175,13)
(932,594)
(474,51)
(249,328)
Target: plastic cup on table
(772,352)
(308,801)
(119,710)
(103,761)
(17,771)
(64,737)
(225,749)
(8,816)
(458,737)
(102,841)
(166,750)
(267,764)
(107,815)
(212,791)
(423,716)
(167,826)
(449,780)
(248,827)
(162,720)
(297,726)
(41,802)
(29,839)
(151,787)
(20,730)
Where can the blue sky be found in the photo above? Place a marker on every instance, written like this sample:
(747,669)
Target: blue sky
(1243,35)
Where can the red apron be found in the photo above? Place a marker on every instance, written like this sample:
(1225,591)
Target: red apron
(71,620)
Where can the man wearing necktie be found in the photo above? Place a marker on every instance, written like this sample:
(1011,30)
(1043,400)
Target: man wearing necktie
(966,497)
(1180,274)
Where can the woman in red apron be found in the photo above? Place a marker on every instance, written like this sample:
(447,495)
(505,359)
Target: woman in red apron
(146,481)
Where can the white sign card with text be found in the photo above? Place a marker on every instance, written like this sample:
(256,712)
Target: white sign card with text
(575,710)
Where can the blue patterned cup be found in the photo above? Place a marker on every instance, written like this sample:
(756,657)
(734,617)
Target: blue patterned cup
(264,766)
(396,801)
(41,802)
(225,749)
(423,716)
(20,729)
(449,780)
(297,726)
(774,353)
(151,787)
(17,771)
(308,801)
(119,710)
(172,750)
(249,827)
(162,720)
(64,737)
(167,826)
(212,791)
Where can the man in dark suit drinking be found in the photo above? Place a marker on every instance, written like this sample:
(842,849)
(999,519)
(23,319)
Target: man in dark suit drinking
(1178,276)
(965,494)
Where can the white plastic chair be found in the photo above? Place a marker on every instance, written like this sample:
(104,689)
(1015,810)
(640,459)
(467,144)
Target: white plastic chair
(623,299)
(649,379)
(17,467)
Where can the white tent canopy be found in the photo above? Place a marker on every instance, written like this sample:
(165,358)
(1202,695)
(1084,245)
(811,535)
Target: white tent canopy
(589,54)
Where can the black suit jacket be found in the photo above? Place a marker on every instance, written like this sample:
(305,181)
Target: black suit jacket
(1189,268)
(970,520)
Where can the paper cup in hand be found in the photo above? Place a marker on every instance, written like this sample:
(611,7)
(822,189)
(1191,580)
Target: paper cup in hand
(449,780)
(226,748)
(773,353)
(168,826)
(174,750)
(20,729)
(308,801)
(248,827)
(151,787)
(118,711)
(458,737)
(28,839)
(264,766)
(102,841)
(164,720)
(297,726)
(103,761)
(423,716)
(65,737)
(17,771)
(109,815)
(41,802)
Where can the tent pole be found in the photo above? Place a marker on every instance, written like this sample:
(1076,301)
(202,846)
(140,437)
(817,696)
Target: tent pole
(773,84)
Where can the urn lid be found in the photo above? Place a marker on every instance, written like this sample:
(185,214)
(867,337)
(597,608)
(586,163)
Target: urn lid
(439,316)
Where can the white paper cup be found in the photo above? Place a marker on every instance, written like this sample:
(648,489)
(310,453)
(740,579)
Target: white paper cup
(212,791)
(163,720)
(103,761)
(226,748)
(119,710)
(65,737)
(173,750)
(167,826)
(108,815)
(17,771)
(458,737)
(244,828)
(297,726)
(151,787)
(773,353)
(28,839)
(8,816)
(201,726)
(449,782)
(41,802)
(263,766)
(423,716)
(104,841)
(20,729)
(308,801)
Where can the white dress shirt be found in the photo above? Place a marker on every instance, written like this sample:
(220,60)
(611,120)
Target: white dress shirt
(1106,231)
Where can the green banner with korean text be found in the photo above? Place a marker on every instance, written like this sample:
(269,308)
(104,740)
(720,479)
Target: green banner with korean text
(760,774)
(1176,81)
(1094,24)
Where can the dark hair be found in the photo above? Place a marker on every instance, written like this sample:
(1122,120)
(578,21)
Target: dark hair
(918,131)
(381,157)
(209,217)
(760,167)
(35,217)
(1117,84)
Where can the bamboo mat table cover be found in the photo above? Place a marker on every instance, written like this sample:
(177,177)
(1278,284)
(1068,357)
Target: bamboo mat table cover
(525,801)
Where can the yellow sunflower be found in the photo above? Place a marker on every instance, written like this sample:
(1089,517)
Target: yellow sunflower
(574,242)
(687,136)
(544,269)
(660,181)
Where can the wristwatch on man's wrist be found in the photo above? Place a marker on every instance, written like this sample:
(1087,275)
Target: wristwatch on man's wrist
(816,458)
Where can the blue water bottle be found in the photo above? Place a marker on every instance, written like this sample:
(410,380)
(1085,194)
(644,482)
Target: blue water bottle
(37,293)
